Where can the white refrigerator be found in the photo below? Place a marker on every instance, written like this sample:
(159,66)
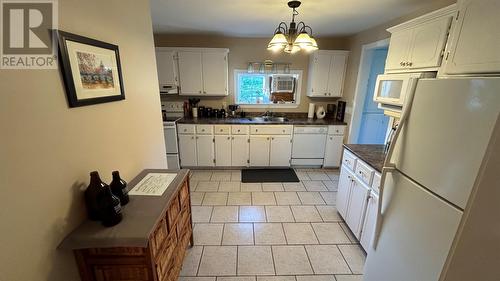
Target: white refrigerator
(436,163)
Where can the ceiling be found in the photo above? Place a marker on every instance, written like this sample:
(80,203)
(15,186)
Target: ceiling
(259,18)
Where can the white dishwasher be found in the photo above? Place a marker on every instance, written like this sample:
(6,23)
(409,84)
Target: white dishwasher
(308,148)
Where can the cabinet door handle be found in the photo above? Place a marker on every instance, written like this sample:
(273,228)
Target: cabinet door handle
(272,138)
(410,63)
(204,92)
(326,94)
(197,137)
(331,138)
(228,138)
(402,63)
(192,138)
(199,92)
(267,138)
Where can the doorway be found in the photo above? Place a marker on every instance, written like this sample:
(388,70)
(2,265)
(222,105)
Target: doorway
(369,124)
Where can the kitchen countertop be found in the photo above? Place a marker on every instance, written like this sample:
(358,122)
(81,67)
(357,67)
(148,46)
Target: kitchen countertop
(371,154)
(140,216)
(291,121)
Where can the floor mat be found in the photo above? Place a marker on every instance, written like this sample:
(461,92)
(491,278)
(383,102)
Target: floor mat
(269,175)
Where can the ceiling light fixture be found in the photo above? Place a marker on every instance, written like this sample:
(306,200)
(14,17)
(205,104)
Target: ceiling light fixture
(293,38)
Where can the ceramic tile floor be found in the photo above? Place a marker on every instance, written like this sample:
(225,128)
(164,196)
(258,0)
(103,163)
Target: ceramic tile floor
(269,231)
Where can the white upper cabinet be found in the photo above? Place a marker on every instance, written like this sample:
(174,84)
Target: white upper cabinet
(215,74)
(203,72)
(418,45)
(475,40)
(326,73)
(166,64)
(191,80)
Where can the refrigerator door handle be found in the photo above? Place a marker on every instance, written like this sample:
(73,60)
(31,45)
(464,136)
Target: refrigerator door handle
(388,165)
(380,216)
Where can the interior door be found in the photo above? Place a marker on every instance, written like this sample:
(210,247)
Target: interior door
(429,40)
(214,73)
(187,150)
(190,73)
(239,151)
(416,235)
(398,49)
(205,150)
(281,151)
(259,150)
(344,190)
(223,151)
(320,75)
(336,75)
(166,66)
(333,150)
(357,207)
(475,40)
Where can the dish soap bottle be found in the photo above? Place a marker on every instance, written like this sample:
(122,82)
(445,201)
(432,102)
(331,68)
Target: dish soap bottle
(92,193)
(110,207)
(119,188)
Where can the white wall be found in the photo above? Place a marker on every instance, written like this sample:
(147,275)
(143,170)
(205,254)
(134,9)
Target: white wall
(47,149)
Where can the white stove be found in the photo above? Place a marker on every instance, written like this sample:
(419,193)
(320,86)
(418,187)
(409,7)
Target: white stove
(173,112)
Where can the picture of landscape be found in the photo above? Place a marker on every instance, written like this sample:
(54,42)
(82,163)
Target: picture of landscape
(95,70)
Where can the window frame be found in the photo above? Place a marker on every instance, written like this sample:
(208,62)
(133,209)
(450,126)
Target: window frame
(298,88)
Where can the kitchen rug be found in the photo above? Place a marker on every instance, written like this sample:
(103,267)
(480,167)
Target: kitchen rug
(269,175)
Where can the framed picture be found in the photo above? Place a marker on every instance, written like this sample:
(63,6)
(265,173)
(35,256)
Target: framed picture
(91,70)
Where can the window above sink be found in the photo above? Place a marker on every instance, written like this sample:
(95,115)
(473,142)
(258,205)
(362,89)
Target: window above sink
(253,90)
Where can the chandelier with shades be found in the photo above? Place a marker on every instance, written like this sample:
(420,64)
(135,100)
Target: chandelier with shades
(293,38)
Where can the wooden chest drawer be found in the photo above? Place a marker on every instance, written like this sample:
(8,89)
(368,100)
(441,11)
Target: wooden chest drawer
(165,257)
(119,251)
(184,193)
(349,160)
(222,129)
(364,172)
(172,213)
(159,236)
(121,272)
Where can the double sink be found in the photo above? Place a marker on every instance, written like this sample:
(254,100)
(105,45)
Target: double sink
(269,119)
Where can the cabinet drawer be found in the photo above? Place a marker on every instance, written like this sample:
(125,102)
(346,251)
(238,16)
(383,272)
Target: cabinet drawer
(173,213)
(204,129)
(336,130)
(349,160)
(240,129)
(159,235)
(163,263)
(271,130)
(184,193)
(376,183)
(222,129)
(186,129)
(364,172)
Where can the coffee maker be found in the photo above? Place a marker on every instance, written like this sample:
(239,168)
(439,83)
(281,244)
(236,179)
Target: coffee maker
(232,110)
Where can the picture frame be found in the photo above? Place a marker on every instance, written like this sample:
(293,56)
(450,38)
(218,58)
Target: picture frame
(91,70)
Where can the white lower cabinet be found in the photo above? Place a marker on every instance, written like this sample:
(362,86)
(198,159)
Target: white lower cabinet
(223,151)
(259,150)
(187,150)
(333,150)
(357,202)
(205,150)
(357,206)
(239,150)
(344,190)
(281,151)
(370,221)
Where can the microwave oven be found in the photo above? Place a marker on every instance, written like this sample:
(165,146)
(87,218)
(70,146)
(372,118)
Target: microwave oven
(391,90)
